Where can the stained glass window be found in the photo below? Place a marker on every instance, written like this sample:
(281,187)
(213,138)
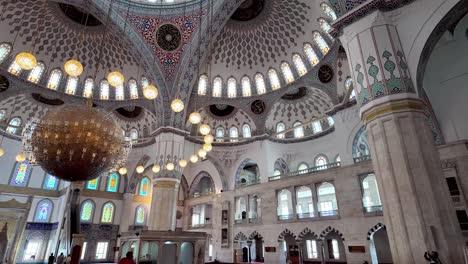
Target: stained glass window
(14,68)
(217,87)
(328,11)
(5,50)
(50,182)
(88,88)
(326,27)
(260,83)
(246,87)
(219,134)
(311,55)
(274,80)
(119,92)
(104,90)
(36,73)
(87,210)
(202,84)
(13,125)
(43,211)
(93,184)
(320,161)
(232,88)
(140,215)
(321,43)
(133,87)
(299,64)
(233,134)
(113,183)
(54,79)
(72,83)
(287,73)
(144,187)
(21,174)
(246,132)
(107,213)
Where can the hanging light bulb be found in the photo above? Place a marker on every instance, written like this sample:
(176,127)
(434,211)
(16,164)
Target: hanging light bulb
(21,157)
(156,168)
(194,158)
(202,153)
(182,163)
(115,78)
(177,105)
(195,118)
(208,139)
(1,152)
(207,147)
(150,92)
(123,171)
(140,169)
(26,61)
(204,129)
(73,68)
(170,166)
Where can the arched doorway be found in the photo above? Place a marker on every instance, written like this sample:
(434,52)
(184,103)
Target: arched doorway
(248,173)
(380,246)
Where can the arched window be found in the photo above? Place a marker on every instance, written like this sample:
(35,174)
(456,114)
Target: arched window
(304,202)
(5,50)
(326,27)
(144,187)
(337,158)
(217,87)
(260,83)
(233,134)
(302,168)
(107,215)
(134,134)
(246,87)
(119,93)
(43,211)
(202,84)
(36,73)
(298,130)
(54,79)
(232,88)
(144,81)
(328,11)
(370,194)
(72,83)
(50,182)
(93,184)
(274,80)
(104,90)
(348,84)
(14,68)
(327,205)
(113,183)
(87,211)
(311,55)
(330,121)
(241,208)
(21,174)
(287,73)
(219,134)
(276,172)
(246,132)
(299,64)
(285,207)
(280,127)
(320,161)
(140,215)
(316,126)
(321,43)
(2,114)
(352,95)
(133,87)
(88,88)
(13,125)
(360,144)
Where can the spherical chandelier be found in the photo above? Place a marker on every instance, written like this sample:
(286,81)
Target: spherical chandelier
(207,147)
(20,157)
(194,158)
(76,143)
(195,118)
(140,169)
(1,152)
(26,61)
(73,68)
(123,171)
(204,129)
(156,168)
(202,153)
(170,166)
(115,78)
(150,92)
(177,105)
(208,139)
(182,163)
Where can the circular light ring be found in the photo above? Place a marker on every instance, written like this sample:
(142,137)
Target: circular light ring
(123,171)
(115,78)
(26,61)
(140,169)
(73,68)
(177,105)
(208,139)
(204,129)
(156,168)
(194,158)
(195,118)
(183,163)
(150,92)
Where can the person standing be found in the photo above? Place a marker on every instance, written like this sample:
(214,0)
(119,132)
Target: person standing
(128,259)
(51,259)
(68,261)
(61,259)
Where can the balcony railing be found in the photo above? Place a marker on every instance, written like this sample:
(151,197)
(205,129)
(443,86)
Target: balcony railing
(306,215)
(306,171)
(285,217)
(373,210)
(362,158)
(200,194)
(329,213)
(308,130)
(204,225)
(240,221)
(244,184)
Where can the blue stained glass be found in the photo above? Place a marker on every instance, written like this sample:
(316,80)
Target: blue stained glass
(86,211)
(43,211)
(93,184)
(50,182)
(144,187)
(21,174)
(113,183)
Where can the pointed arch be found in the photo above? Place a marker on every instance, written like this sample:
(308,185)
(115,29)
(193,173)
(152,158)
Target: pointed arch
(304,233)
(254,235)
(87,211)
(330,229)
(374,229)
(240,237)
(196,181)
(286,232)
(44,210)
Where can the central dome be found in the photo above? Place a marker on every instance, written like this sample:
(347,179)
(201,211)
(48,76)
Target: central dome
(248,10)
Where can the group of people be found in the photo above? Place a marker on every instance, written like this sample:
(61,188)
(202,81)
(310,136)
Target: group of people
(60,259)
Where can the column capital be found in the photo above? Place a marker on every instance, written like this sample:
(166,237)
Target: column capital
(391,104)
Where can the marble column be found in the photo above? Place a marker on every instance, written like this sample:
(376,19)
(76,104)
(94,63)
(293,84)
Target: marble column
(164,204)
(127,207)
(417,211)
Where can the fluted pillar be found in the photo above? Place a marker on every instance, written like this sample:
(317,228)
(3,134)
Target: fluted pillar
(418,214)
(164,204)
